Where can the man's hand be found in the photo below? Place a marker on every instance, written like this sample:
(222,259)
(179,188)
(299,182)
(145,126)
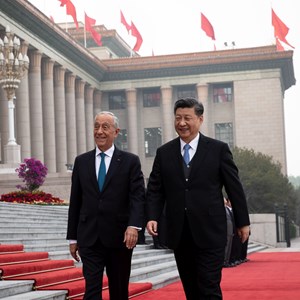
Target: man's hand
(243,233)
(74,251)
(152,228)
(130,237)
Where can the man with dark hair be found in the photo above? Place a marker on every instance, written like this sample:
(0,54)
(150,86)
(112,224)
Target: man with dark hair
(187,178)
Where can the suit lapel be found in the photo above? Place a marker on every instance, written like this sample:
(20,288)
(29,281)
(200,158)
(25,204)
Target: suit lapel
(201,151)
(91,169)
(113,167)
(174,155)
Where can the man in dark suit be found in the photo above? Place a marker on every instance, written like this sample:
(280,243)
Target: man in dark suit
(189,181)
(104,218)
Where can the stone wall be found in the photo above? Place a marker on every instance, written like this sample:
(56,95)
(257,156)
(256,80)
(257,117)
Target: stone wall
(263,230)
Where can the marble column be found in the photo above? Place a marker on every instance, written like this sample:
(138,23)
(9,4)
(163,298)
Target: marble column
(48,114)
(3,121)
(167,113)
(97,102)
(202,90)
(80,116)
(89,117)
(132,121)
(60,119)
(23,114)
(35,101)
(71,118)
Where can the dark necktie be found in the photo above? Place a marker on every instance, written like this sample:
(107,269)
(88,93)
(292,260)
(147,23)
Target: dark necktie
(102,171)
(186,154)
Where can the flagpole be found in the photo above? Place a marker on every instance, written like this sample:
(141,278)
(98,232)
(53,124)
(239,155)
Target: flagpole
(84,34)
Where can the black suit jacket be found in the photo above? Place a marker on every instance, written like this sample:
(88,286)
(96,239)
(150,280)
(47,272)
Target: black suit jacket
(106,214)
(199,198)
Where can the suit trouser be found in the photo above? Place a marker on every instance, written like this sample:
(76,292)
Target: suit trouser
(200,270)
(229,241)
(244,250)
(117,262)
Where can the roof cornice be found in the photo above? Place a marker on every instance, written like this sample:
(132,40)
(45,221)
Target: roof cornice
(244,59)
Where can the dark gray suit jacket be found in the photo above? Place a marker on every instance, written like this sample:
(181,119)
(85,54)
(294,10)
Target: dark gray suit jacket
(199,198)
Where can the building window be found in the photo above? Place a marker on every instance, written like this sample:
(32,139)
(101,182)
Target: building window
(117,100)
(222,93)
(224,133)
(186,91)
(151,97)
(152,140)
(121,140)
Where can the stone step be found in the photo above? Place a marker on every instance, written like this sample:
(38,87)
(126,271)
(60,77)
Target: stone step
(34,234)
(13,287)
(24,229)
(30,223)
(33,216)
(145,273)
(33,209)
(39,295)
(9,234)
(253,247)
(33,241)
(162,279)
(55,247)
(152,260)
(146,253)
(61,254)
(19,207)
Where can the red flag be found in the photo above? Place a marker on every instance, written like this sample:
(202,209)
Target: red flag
(89,23)
(123,21)
(139,39)
(63,2)
(207,27)
(71,10)
(279,47)
(280,29)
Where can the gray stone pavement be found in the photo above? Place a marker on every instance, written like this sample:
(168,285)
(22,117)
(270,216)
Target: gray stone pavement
(295,247)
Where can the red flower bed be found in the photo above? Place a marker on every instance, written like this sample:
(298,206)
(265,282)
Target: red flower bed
(35,197)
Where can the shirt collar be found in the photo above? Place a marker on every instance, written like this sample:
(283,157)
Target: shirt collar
(108,152)
(193,143)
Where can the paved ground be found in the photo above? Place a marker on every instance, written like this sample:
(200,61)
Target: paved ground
(295,247)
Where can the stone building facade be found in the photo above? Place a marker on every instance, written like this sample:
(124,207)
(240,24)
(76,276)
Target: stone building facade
(67,84)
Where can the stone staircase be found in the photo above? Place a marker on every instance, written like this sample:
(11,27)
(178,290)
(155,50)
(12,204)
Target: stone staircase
(43,228)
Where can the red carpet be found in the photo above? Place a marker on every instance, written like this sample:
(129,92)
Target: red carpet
(267,276)
(4,249)
(15,264)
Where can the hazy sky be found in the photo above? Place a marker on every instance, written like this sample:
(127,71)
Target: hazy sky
(169,26)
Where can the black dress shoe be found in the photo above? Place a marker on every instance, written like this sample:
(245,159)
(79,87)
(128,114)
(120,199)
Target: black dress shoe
(160,247)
